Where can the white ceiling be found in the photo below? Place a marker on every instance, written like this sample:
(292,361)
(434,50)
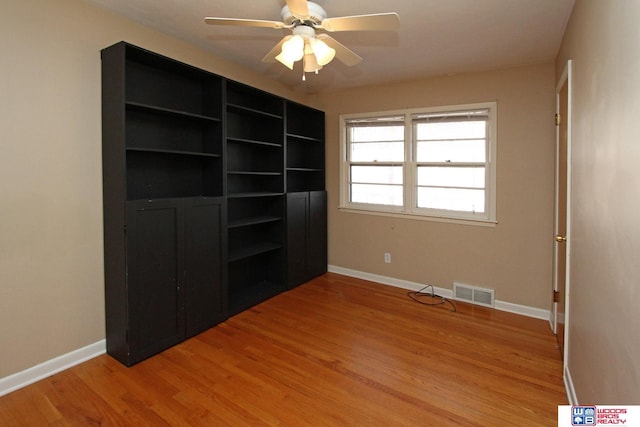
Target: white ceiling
(436,37)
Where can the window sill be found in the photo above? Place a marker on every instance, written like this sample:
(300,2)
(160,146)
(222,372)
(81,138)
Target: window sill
(402,215)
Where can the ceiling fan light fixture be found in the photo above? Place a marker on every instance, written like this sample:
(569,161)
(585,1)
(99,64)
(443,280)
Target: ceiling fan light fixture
(284,61)
(293,49)
(310,61)
(323,53)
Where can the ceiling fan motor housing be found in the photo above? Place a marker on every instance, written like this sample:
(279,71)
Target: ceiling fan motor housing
(305,31)
(316,16)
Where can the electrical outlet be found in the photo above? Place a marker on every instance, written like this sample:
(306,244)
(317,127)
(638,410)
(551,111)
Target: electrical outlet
(387,257)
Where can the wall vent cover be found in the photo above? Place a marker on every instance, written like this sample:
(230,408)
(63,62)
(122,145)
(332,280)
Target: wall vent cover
(473,294)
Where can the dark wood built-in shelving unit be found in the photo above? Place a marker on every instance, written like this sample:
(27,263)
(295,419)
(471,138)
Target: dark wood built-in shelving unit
(306,197)
(255,186)
(214,199)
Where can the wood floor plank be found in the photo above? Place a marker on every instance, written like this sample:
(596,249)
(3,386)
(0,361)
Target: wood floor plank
(336,351)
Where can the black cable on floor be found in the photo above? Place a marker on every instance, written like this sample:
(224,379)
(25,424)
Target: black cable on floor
(416,295)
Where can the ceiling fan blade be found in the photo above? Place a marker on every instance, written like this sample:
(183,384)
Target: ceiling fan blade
(298,8)
(343,53)
(244,22)
(271,56)
(373,22)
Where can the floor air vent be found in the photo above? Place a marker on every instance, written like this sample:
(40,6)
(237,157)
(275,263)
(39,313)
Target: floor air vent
(473,294)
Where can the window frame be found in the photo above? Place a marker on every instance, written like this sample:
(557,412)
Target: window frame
(410,166)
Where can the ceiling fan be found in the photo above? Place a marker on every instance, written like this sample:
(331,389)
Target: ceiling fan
(309,40)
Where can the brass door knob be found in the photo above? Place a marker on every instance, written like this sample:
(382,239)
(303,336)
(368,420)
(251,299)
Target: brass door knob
(560,238)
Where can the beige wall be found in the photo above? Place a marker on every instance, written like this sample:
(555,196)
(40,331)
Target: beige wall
(51,257)
(515,257)
(603,39)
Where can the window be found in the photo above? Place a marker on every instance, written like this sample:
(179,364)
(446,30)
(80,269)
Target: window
(436,163)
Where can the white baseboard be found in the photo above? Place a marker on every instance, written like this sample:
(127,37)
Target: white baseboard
(50,367)
(524,310)
(568,386)
(398,283)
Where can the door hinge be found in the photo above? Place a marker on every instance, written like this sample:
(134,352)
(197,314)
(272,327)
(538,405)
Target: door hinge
(558,119)
(556,296)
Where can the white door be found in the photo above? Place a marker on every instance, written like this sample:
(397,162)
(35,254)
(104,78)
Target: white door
(562,206)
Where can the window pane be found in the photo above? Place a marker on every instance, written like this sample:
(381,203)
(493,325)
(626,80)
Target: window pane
(451,151)
(377,174)
(376,133)
(452,130)
(452,199)
(377,151)
(377,194)
(443,176)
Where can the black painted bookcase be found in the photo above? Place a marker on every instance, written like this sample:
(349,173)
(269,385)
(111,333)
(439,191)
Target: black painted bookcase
(214,199)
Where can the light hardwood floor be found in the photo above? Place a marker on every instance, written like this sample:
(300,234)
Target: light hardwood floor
(336,351)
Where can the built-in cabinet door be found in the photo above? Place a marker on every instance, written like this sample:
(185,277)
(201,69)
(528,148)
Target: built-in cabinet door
(174,271)
(306,236)
(297,215)
(155,268)
(204,299)
(317,242)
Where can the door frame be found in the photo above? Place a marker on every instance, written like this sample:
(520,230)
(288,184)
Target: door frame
(566,77)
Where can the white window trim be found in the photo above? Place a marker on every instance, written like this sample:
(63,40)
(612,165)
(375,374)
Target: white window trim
(488,219)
